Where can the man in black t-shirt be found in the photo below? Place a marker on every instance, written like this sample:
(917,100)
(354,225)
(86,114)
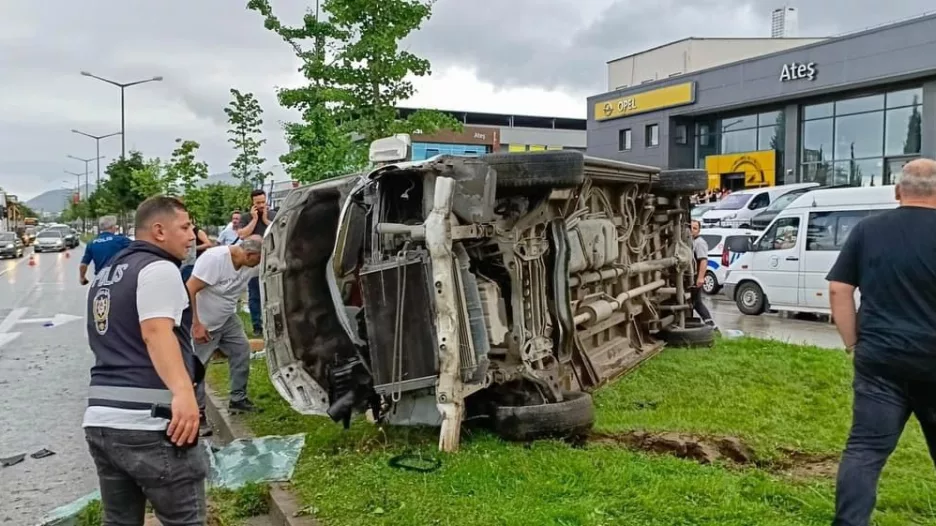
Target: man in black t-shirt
(255,222)
(890,258)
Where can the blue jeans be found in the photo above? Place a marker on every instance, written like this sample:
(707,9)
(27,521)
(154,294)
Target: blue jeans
(883,404)
(253,302)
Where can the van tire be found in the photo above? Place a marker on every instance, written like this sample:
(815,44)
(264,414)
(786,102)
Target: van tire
(750,299)
(687,181)
(553,169)
(688,337)
(573,417)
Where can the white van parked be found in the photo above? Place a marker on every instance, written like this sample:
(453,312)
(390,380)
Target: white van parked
(738,208)
(785,268)
(719,257)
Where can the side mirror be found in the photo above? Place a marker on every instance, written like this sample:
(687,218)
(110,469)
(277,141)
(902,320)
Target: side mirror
(740,245)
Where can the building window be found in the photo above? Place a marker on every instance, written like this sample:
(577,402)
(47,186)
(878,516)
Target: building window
(861,141)
(682,134)
(652,137)
(624,140)
(741,134)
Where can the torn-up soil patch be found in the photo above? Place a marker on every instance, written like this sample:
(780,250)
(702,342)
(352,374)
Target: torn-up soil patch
(701,449)
(725,449)
(804,465)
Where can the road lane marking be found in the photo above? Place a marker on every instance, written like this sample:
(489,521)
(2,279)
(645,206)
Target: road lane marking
(11,319)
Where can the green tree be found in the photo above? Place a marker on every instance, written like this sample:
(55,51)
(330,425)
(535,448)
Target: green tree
(354,89)
(212,204)
(183,169)
(117,193)
(154,179)
(246,119)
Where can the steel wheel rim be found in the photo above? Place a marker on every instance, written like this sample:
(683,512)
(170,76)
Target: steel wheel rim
(749,298)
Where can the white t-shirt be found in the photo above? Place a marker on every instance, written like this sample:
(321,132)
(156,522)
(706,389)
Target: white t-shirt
(160,294)
(225,285)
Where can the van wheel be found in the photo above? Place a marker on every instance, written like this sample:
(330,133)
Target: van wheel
(688,337)
(537,169)
(750,299)
(682,182)
(710,284)
(572,417)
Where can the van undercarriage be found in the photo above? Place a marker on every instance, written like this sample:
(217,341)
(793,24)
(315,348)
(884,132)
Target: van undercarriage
(503,288)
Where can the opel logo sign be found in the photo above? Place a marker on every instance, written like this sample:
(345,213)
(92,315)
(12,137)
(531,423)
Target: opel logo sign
(608,109)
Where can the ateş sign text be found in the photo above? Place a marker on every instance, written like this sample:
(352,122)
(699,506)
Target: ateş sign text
(796,71)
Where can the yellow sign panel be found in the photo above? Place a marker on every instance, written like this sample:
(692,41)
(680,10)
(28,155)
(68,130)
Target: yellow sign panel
(656,99)
(758,168)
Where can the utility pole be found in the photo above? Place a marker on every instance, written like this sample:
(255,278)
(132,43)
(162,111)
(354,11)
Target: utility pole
(86,161)
(78,193)
(97,143)
(123,122)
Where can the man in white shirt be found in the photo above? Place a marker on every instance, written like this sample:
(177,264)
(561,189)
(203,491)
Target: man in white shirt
(218,280)
(229,236)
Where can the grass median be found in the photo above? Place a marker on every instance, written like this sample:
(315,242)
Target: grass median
(789,405)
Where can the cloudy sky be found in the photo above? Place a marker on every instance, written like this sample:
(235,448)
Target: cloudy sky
(539,57)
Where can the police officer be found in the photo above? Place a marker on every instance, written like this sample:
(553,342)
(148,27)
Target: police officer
(139,328)
(99,251)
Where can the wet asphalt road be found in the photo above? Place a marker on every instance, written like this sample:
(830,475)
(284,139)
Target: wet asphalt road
(774,326)
(43,384)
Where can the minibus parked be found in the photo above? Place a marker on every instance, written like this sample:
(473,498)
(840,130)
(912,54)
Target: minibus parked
(719,256)
(785,268)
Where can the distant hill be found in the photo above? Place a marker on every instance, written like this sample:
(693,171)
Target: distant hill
(54,201)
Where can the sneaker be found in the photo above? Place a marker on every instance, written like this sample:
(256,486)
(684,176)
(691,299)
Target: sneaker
(258,331)
(204,428)
(242,406)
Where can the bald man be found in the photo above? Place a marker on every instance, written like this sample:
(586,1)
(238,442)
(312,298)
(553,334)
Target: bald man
(891,258)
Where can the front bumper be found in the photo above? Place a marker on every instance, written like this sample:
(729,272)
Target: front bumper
(7,252)
(43,247)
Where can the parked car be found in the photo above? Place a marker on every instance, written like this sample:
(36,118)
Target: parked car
(699,210)
(738,209)
(785,268)
(69,234)
(11,246)
(51,240)
(502,287)
(720,256)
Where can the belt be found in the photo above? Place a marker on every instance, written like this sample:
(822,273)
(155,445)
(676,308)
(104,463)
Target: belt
(127,397)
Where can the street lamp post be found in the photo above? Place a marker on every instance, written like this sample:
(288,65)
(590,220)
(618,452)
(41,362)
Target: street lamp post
(97,143)
(78,191)
(123,86)
(86,162)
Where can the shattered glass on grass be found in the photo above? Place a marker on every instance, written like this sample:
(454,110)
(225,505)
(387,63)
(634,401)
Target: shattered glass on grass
(246,460)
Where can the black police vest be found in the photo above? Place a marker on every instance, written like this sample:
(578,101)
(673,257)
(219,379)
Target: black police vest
(123,375)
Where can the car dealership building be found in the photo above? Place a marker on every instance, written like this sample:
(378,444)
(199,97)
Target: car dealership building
(846,110)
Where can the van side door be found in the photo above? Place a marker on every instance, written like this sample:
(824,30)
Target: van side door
(826,232)
(776,260)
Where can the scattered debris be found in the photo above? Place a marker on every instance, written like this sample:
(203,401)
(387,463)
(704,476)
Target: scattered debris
(415,462)
(12,461)
(42,453)
(732,333)
(67,515)
(246,460)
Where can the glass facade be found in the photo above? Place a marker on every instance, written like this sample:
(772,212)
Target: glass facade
(426,150)
(744,133)
(861,141)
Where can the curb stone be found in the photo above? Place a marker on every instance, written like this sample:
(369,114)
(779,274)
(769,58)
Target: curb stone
(284,507)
